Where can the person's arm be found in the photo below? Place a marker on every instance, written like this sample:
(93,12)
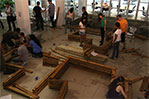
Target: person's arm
(66,14)
(105,25)
(73,15)
(122,92)
(43,10)
(126,28)
(115,38)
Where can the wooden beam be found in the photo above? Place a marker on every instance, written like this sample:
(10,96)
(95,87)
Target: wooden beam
(18,67)
(10,52)
(145,84)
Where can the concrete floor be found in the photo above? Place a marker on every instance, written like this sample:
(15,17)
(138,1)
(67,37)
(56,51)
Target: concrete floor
(127,64)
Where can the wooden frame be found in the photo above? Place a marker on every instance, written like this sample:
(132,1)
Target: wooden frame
(11,85)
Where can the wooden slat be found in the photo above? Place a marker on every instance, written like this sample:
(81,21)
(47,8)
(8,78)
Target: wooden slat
(145,84)
(18,67)
(8,53)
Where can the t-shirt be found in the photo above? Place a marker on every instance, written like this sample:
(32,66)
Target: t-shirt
(123,24)
(70,15)
(22,51)
(85,16)
(102,24)
(36,47)
(9,11)
(81,26)
(118,33)
(51,9)
(37,11)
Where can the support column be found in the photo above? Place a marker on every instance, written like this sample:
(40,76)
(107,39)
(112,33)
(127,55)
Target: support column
(23,18)
(81,4)
(61,4)
(137,9)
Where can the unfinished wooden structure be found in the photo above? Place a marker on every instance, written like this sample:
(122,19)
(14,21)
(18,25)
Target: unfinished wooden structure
(145,84)
(88,44)
(11,85)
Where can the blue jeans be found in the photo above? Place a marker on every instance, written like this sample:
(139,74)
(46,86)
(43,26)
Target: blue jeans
(115,49)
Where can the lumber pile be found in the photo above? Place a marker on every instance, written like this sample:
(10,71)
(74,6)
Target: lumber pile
(80,53)
(49,60)
(145,84)
(60,85)
(74,36)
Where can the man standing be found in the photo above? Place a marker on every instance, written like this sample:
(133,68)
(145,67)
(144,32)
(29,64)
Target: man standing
(51,11)
(124,26)
(37,12)
(84,15)
(9,11)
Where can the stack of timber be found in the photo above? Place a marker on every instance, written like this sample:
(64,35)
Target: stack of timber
(141,37)
(99,49)
(49,60)
(11,85)
(79,52)
(61,85)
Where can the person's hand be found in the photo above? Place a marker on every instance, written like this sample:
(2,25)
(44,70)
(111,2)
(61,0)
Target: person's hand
(105,29)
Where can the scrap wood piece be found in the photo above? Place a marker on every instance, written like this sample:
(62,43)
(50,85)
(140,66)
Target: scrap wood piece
(7,59)
(43,83)
(145,84)
(21,92)
(14,66)
(138,54)
(131,81)
(15,76)
(129,50)
(141,37)
(25,90)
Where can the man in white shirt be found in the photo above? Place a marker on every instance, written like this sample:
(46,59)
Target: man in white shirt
(116,40)
(9,11)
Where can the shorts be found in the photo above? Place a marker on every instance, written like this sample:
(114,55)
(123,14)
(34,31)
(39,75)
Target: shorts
(123,37)
(82,33)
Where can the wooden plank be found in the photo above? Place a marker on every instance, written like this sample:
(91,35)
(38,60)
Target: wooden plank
(63,90)
(18,67)
(141,37)
(137,79)
(18,74)
(20,92)
(50,60)
(145,84)
(25,90)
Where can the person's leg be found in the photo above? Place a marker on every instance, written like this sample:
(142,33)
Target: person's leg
(41,21)
(66,25)
(37,23)
(117,50)
(123,39)
(8,21)
(14,26)
(1,24)
(114,48)
(52,20)
(102,36)
(70,25)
